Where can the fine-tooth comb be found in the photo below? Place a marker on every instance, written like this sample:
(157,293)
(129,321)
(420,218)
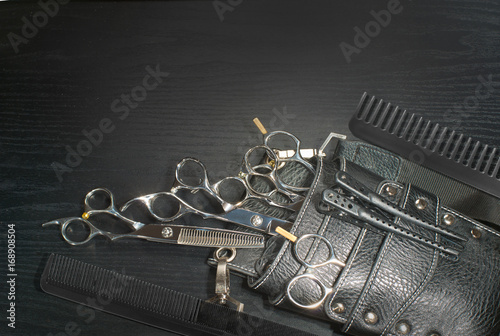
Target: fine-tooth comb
(148,303)
(427,143)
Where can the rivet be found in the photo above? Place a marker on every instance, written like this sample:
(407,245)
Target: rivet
(390,190)
(338,307)
(256,220)
(433,334)
(420,204)
(167,232)
(403,328)
(371,317)
(476,233)
(448,219)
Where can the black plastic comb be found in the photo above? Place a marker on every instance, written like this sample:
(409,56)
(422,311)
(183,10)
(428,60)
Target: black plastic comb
(148,303)
(429,144)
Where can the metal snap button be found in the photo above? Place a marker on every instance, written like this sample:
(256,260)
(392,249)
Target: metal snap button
(338,307)
(476,233)
(403,328)
(448,219)
(370,317)
(390,190)
(421,204)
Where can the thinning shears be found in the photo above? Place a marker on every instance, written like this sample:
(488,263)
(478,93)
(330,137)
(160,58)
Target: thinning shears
(80,230)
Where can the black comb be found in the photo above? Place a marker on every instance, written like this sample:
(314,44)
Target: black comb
(148,303)
(429,144)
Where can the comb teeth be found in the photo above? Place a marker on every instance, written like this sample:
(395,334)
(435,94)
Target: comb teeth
(94,281)
(444,150)
(200,237)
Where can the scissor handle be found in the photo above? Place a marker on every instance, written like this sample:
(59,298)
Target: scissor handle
(325,291)
(297,156)
(252,168)
(64,223)
(202,179)
(331,259)
(110,204)
(235,203)
(110,208)
(271,173)
(203,182)
(270,135)
(294,198)
(250,194)
(183,206)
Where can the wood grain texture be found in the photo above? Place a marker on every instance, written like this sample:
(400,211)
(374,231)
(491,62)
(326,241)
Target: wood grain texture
(264,57)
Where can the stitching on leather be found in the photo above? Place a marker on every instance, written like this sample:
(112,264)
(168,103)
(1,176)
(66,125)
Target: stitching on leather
(417,291)
(422,284)
(346,271)
(348,267)
(369,285)
(296,225)
(243,268)
(362,299)
(471,221)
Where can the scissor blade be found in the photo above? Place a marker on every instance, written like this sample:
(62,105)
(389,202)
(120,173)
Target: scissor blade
(256,221)
(199,236)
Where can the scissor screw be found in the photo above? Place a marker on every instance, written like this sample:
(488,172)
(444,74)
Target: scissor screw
(85,215)
(256,220)
(167,232)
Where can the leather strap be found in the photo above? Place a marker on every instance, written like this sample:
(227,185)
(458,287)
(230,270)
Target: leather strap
(455,194)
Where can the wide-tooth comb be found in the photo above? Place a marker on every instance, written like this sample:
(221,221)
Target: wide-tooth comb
(429,144)
(201,237)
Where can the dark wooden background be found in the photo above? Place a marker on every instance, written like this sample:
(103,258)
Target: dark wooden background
(265,59)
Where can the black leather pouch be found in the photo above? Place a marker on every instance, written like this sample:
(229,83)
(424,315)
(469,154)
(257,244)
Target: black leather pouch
(400,277)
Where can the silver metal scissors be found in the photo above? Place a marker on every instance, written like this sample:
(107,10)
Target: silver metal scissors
(331,259)
(296,156)
(107,206)
(270,169)
(247,218)
(196,182)
(171,234)
(248,193)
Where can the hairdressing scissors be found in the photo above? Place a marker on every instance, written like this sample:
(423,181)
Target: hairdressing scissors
(295,155)
(247,218)
(270,169)
(331,259)
(196,182)
(249,193)
(172,234)
(107,206)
